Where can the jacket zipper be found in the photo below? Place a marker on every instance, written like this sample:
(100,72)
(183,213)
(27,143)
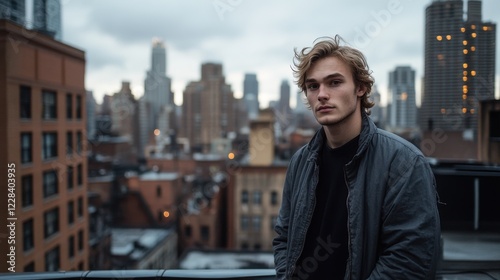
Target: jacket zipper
(306,229)
(348,227)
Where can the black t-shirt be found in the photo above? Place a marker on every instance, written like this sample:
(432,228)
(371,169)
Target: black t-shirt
(325,250)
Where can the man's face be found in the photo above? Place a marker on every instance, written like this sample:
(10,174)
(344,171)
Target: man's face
(331,92)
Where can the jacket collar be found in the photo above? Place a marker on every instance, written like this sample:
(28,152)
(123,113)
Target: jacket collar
(368,129)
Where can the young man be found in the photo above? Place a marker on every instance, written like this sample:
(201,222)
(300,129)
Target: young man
(358,202)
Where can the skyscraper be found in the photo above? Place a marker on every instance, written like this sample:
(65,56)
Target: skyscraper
(459,65)
(402,92)
(13,10)
(158,93)
(47,17)
(208,110)
(251,95)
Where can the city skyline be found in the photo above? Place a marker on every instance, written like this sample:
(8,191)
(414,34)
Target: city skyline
(116,39)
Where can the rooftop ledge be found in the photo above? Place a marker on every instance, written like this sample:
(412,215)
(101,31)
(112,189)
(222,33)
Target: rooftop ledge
(178,274)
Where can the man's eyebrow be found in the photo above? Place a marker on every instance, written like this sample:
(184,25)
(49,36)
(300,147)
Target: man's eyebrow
(334,75)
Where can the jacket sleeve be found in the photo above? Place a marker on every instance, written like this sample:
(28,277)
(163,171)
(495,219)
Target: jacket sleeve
(280,242)
(410,234)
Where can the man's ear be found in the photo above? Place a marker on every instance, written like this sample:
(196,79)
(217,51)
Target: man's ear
(360,90)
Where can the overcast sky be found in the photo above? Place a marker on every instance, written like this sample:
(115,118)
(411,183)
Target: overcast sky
(246,36)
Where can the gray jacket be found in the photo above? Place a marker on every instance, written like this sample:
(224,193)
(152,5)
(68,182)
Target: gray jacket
(393,220)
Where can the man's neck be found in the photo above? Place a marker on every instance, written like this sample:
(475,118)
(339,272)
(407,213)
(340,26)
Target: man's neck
(339,134)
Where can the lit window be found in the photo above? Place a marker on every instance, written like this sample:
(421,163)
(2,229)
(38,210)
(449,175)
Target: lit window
(464,42)
(464,79)
(448,37)
(439,37)
(473,48)
(472,111)
(465,65)
(473,73)
(474,35)
(462,29)
(464,110)
(464,96)
(473,26)
(466,51)
(465,73)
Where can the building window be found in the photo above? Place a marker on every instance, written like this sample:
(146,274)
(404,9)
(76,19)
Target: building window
(79,207)
(71,246)
(28,235)
(79,142)
(244,222)
(49,183)
(70,179)
(257,197)
(25,102)
(256,223)
(49,145)
(69,143)
(27,190)
(257,246)
(274,198)
(158,191)
(80,240)
(187,231)
(51,222)
(244,197)
(78,107)
(52,259)
(71,212)
(79,174)
(244,246)
(69,106)
(80,266)
(205,233)
(49,105)
(26,147)
(29,267)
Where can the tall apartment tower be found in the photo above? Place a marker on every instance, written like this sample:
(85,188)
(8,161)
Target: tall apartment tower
(459,65)
(43,119)
(251,95)
(208,111)
(402,92)
(14,10)
(47,17)
(284,102)
(158,95)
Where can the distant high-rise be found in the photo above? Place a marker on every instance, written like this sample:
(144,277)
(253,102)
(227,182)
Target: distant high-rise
(91,113)
(14,10)
(402,92)
(208,108)
(47,17)
(284,103)
(251,95)
(158,93)
(459,65)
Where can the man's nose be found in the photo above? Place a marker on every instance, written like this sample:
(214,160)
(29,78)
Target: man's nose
(322,93)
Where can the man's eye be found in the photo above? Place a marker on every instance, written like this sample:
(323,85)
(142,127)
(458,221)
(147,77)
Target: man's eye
(312,86)
(335,82)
